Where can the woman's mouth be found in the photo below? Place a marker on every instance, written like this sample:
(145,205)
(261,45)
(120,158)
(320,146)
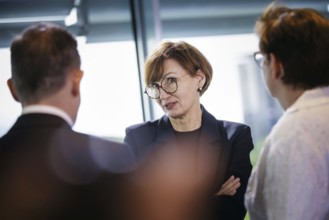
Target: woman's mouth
(170,105)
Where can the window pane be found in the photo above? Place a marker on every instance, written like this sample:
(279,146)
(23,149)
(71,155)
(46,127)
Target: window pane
(9,108)
(110,90)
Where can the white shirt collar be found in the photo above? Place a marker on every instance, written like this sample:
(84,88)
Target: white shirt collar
(48,110)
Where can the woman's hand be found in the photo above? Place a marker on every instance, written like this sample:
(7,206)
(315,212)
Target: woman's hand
(229,187)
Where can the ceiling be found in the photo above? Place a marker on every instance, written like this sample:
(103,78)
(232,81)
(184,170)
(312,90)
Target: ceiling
(110,20)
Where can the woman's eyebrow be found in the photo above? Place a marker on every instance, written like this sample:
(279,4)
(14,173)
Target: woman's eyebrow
(166,74)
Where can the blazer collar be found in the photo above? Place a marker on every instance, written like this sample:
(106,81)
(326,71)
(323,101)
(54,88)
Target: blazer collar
(209,131)
(40,120)
(165,132)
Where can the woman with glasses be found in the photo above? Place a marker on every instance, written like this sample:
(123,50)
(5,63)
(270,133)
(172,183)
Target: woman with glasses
(192,166)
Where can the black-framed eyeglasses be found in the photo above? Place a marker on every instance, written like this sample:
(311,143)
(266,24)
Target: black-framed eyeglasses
(169,85)
(259,58)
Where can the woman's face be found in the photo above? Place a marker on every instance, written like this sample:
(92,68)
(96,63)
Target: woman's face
(186,100)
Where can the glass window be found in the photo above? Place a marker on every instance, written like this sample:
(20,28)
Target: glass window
(110,89)
(110,93)
(9,108)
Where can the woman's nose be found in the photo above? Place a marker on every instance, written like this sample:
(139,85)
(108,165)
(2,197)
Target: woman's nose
(163,93)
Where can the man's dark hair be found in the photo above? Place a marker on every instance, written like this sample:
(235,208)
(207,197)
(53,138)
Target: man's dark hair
(41,58)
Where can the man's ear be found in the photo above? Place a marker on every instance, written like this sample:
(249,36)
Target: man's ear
(77,76)
(11,87)
(276,67)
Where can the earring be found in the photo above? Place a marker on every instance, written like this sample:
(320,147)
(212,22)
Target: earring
(200,89)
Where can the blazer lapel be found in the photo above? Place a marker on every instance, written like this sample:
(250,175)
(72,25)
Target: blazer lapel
(165,133)
(213,151)
(165,145)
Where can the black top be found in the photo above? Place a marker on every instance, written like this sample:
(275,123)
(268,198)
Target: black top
(188,138)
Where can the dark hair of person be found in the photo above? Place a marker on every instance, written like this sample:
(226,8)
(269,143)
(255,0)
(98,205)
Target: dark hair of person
(41,58)
(189,57)
(299,38)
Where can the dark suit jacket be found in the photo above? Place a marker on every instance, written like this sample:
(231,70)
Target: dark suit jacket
(231,143)
(48,171)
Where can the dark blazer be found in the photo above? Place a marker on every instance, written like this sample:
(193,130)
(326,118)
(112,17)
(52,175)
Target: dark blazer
(231,143)
(48,171)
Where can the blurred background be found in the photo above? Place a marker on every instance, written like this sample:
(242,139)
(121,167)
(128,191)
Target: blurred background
(114,38)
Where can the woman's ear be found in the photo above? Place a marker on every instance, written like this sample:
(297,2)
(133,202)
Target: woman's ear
(12,89)
(201,78)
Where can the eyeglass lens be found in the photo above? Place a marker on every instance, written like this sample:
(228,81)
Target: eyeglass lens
(169,85)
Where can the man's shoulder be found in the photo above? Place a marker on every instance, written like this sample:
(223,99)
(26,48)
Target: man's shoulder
(95,140)
(51,135)
(109,154)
